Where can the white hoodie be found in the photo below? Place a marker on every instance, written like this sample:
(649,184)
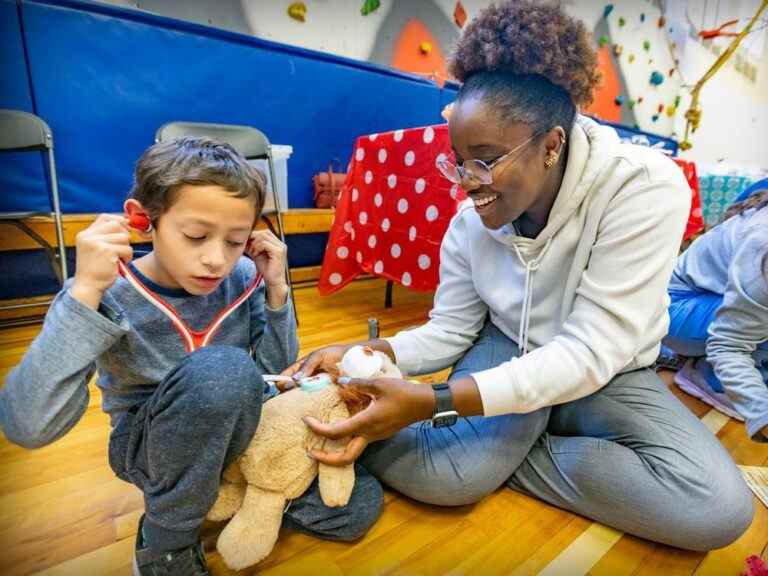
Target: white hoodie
(587,297)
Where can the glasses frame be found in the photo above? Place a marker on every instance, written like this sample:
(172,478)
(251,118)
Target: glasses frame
(444,165)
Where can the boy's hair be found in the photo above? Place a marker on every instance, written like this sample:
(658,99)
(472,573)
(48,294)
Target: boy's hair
(166,166)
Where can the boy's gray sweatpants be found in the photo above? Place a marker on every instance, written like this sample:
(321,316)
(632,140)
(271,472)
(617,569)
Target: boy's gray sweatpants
(175,446)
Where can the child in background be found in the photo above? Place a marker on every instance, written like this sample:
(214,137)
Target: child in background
(178,418)
(719,314)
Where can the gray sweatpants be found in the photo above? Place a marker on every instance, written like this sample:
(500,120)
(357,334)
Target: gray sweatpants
(630,456)
(175,446)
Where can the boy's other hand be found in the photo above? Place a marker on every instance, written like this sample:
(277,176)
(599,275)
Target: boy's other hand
(98,249)
(271,258)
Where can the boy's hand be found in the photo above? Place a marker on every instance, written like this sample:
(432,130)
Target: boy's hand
(98,248)
(271,257)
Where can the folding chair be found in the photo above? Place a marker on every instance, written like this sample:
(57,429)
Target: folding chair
(25,132)
(249,142)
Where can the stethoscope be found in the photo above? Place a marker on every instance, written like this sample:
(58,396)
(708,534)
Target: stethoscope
(193,339)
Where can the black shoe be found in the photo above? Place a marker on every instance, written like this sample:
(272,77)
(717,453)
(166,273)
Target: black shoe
(189,561)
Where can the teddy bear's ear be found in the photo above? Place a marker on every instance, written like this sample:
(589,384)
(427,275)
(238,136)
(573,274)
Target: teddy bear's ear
(355,401)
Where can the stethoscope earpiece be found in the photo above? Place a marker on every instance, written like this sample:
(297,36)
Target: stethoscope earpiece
(140,222)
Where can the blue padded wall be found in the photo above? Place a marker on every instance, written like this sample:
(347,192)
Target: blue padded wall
(106,78)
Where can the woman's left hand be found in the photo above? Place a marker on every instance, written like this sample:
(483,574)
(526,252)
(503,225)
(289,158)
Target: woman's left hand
(395,404)
(271,258)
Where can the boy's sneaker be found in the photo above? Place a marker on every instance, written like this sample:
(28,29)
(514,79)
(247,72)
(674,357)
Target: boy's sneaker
(189,561)
(691,380)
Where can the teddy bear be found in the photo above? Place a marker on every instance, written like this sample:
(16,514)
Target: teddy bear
(275,466)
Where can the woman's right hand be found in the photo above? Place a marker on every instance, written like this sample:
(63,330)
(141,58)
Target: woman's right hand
(321,360)
(98,249)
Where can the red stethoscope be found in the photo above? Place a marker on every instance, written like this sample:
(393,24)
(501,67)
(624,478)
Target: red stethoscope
(193,339)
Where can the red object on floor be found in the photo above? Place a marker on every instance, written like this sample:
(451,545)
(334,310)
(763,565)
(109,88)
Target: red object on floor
(755,567)
(396,206)
(695,222)
(393,211)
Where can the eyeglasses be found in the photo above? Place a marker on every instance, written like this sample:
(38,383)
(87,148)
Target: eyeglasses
(475,170)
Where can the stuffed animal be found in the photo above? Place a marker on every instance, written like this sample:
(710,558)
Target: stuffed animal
(275,467)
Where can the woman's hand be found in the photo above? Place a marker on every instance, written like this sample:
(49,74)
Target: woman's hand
(395,404)
(321,360)
(271,258)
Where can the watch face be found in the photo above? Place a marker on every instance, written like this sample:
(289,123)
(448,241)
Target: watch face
(445,419)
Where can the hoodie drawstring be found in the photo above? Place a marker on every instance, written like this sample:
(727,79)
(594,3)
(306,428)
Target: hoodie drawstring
(525,317)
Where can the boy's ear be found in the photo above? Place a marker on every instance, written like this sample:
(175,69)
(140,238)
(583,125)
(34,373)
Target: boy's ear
(138,219)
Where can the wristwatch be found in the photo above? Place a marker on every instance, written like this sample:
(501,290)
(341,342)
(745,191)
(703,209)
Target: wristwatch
(444,414)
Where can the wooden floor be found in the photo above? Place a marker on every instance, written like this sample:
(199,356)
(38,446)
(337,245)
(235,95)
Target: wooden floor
(62,511)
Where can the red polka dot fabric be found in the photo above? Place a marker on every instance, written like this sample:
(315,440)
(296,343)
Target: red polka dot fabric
(696,218)
(393,211)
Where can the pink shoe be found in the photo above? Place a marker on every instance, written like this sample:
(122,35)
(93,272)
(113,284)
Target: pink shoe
(692,382)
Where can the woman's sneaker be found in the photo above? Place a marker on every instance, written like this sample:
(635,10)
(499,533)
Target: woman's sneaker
(189,561)
(692,381)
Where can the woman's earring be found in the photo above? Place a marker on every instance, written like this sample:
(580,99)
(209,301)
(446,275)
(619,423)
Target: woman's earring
(551,159)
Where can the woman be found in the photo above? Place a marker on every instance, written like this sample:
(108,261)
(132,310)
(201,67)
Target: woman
(552,303)
(719,314)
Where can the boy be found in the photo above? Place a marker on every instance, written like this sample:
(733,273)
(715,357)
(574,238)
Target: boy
(178,418)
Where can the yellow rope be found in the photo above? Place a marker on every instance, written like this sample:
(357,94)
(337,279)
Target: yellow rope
(693,115)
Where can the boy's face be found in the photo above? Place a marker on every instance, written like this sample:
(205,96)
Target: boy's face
(200,237)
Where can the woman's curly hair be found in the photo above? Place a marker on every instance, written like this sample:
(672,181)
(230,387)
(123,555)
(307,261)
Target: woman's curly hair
(525,37)
(531,61)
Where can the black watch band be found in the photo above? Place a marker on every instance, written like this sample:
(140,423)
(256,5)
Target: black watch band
(444,414)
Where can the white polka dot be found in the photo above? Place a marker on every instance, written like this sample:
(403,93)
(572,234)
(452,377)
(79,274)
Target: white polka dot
(424,261)
(378,199)
(378,267)
(363,218)
(696,213)
(432,213)
(382,155)
(429,134)
(360,154)
(391,180)
(412,233)
(385,224)
(372,241)
(406,279)
(410,158)
(348,226)
(454,191)
(395,251)
(420,185)
(441,158)
(368,176)
(373,137)
(398,135)
(355,194)
(359,257)
(353,234)
(335,279)
(342,252)
(402,206)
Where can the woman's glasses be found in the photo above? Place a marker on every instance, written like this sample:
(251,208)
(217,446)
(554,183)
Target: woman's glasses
(475,170)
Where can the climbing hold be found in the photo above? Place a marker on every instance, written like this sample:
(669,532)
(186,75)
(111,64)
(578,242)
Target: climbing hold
(369,6)
(619,100)
(607,10)
(621,21)
(631,58)
(655,117)
(662,21)
(617,50)
(602,41)
(677,101)
(646,45)
(639,100)
(660,108)
(671,71)
(298,11)
(642,17)
(425,48)
(631,104)
(657,78)
(671,110)
(459,15)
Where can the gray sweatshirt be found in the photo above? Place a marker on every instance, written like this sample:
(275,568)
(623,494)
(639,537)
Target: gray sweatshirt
(133,346)
(728,260)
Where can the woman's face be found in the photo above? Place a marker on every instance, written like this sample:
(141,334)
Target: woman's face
(520,181)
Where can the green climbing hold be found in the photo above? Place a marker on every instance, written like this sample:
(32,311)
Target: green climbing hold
(369,6)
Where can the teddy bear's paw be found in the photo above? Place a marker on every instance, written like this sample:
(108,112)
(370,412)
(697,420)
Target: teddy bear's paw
(229,501)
